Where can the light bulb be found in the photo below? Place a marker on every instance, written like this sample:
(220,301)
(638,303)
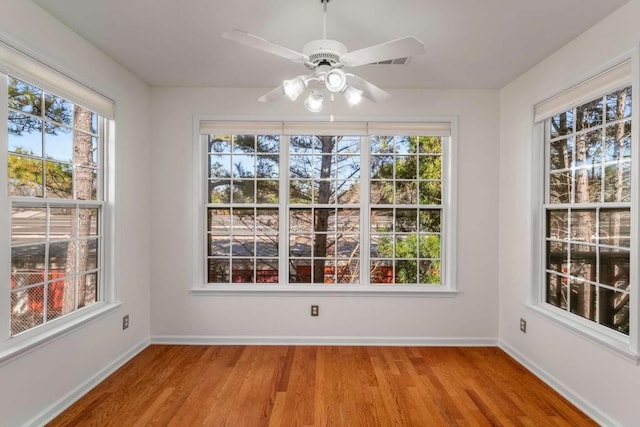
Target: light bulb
(314,102)
(294,87)
(353,95)
(335,80)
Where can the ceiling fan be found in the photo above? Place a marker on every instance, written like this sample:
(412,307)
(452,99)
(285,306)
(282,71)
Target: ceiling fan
(325,59)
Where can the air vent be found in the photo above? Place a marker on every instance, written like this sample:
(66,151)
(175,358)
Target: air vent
(397,61)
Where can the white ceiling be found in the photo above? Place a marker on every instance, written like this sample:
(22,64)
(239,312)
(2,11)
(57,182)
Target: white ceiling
(469,43)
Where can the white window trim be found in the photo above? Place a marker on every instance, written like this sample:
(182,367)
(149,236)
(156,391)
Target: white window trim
(450,289)
(12,347)
(627,347)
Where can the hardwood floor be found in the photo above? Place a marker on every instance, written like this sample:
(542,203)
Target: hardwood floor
(322,386)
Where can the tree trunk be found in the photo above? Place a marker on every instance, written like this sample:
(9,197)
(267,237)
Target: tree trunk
(78,250)
(321,223)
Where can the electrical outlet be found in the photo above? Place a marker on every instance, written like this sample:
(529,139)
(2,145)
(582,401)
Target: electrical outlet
(315,310)
(125,322)
(523,326)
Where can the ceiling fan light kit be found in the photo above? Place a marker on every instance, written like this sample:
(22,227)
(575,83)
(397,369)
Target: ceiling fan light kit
(325,59)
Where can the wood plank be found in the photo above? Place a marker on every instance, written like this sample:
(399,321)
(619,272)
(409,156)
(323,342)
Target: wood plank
(322,386)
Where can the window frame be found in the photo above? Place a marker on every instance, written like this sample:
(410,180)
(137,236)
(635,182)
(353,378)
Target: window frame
(22,66)
(611,340)
(449,153)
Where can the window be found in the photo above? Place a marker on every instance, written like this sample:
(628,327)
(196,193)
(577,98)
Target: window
(362,207)
(55,171)
(587,230)
(588,210)
(56,205)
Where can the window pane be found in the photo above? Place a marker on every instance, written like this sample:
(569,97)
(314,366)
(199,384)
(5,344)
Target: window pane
(348,272)
(62,223)
(88,255)
(617,184)
(429,246)
(242,271)
(267,166)
(560,187)
(618,142)
(406,271)
(430,220)
(24,97)
(58,257)
(88,222)
(615,227)
(219,191)
(430,272)
(58,109)
(430,193)
(381,271)
(381,192)
(58,180)
(267,271)
(562,124)
(56,292)
(25,134)
(218,271)
(220,144)
(430,167)
(558,224)
(27,309)
(58,142)
(556,290)
(25,176)
(589,115)
(267,246)
(28,260)
(619,104)
(558,257)
(85,120)
(583,299)
(583,225)
(28,225)
(561,154)
(348,220)
(219,166)
(300,271)
(614,310)
(382,167)
(614,267)
(267,192)
(406,193)
(219,245)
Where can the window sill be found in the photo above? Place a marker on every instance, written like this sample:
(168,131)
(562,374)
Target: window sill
(24,343)
(611,341)
(323,290)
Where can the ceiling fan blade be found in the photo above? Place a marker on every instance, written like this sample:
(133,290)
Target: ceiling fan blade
(262,44)
(273,95)
(369,90)
(399,48)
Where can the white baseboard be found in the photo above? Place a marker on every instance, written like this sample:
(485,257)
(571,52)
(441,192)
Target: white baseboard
(566,392)
(320,340)
(56,409)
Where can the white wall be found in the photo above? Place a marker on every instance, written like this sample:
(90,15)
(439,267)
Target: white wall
(30,384)
(607,382)
(178,315)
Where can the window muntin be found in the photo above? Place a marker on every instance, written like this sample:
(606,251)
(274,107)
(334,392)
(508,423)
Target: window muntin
(55,189)
(325,213)
(588,210)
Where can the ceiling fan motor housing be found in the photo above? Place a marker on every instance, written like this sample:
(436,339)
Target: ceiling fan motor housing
(324,52)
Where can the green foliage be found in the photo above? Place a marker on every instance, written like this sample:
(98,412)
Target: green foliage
(410,250)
